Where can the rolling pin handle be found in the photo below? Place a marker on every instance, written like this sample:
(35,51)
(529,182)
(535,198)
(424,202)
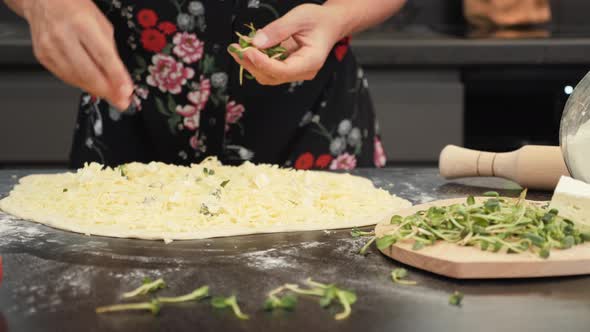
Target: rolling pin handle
(457,162)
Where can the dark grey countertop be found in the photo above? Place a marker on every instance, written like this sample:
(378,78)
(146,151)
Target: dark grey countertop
(414,49)
(53,280)
(415,46)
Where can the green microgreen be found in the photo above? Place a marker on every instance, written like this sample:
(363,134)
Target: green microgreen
(398,276)
(456,298)
(355,232)
(147,287)
(363,250)
(497,224)
(327,294)
(220,302)
(274,301)
(122,170)
(276,52)
(196,295)
(153,306)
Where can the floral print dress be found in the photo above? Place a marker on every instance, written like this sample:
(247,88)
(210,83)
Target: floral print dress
(188,103)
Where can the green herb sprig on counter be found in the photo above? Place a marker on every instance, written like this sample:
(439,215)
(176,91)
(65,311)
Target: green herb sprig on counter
(456,298)
(496,224)
(398,276)
(148,286)
(196,295)
(220,302)
(155,304)
(274,301)
(277,52)
(328,294)
(355,232)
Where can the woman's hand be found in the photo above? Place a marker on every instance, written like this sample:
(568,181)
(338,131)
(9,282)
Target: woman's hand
(75,41)
(308,32)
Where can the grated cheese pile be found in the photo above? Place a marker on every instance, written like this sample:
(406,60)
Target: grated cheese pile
(160,201)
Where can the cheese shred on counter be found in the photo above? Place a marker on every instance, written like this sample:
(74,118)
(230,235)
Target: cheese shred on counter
(160,201)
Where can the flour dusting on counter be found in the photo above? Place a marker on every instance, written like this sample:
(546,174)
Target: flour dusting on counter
(267,259)
(14,231)
(418,196)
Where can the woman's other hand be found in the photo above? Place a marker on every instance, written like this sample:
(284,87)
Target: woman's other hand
(75,41)
(308,32)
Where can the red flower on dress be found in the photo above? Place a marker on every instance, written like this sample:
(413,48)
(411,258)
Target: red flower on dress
(344,161)
(153,40)
(305,161)
(188,47)
(233,113)
(167,74)
(341,48)
(147,18)
(379,158)
(167,27)
(323,161)
(200,97)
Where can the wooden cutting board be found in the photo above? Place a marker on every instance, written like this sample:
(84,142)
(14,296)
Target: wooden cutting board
(471,263)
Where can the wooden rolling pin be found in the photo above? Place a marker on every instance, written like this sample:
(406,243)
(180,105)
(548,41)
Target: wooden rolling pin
(532,166)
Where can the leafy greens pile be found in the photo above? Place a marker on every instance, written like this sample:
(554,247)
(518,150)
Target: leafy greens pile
(496,224)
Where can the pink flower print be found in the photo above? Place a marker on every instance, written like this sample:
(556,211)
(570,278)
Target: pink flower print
(200,97)
(191,116)
(233,113)
(188,47)
(194,141)
(167,74)
(344,161)
(192,122)
(139,94)
(379,158)
(186,111)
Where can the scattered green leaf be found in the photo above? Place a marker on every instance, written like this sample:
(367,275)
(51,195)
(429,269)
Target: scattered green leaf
(220,302)
(367,245)
(146,288)
(398,276)
(456,298)
(195,295)
(153,306)
(287,302)
(385,241)
(355,232)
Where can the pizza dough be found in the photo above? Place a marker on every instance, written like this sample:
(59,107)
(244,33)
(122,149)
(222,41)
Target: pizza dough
(160,201)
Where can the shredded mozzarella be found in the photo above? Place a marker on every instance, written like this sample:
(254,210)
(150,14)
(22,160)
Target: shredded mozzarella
(160,201)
